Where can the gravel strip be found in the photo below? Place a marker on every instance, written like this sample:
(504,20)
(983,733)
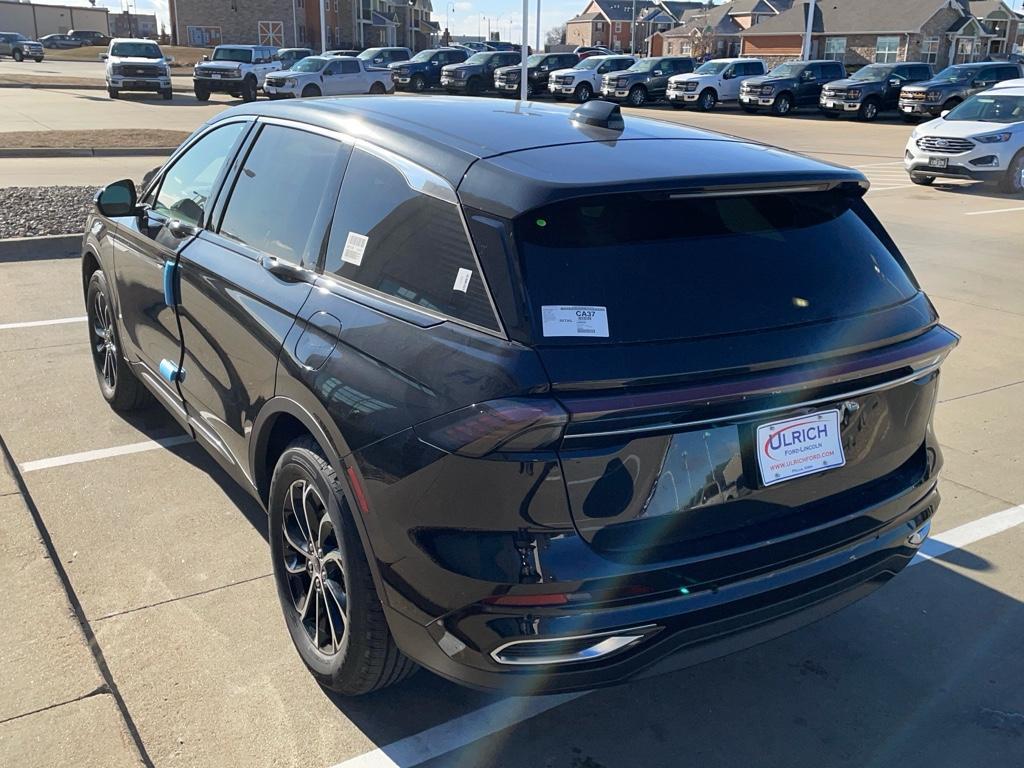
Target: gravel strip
(32,211)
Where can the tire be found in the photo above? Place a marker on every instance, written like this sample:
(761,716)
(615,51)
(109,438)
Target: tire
(783,105)
(377,88)
(167,95)
(418,84)
(17,55)
(637,96)
(868,111)
(1012,182)
(583,93)
(924,181)
(249,89)
(328,568)
(310,91)
(113,93)
(118,383)
(37,59)
(707,101)
(202,94)
(530,90)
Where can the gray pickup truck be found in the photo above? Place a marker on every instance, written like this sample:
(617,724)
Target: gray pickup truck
(19,47)
(951,86)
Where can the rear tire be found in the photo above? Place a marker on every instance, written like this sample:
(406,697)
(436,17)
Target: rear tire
(118,383)
(343,638)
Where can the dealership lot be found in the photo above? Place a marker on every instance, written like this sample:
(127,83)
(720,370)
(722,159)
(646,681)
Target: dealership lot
(168,565)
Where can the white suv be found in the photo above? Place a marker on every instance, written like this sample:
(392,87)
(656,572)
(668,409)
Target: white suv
(713,81)
(981,139)
(235,69)
(137,65)
(582,81)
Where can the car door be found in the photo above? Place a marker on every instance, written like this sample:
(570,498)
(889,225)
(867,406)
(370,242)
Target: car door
(984,79)
(147,247)
(809,85)
(331,79)
(244,280)
(5,45)
(893,85)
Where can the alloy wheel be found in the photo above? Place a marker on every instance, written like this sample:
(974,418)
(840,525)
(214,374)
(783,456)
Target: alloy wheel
(870,111)
(707,101)
(637,97)
(314,568)
(103,340)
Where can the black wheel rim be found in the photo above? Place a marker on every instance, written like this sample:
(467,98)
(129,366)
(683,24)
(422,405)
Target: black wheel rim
(314,568)
(104,344)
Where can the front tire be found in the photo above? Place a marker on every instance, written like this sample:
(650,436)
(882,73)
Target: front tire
(113,93)
(748,110)
(249,89)
(310,91)
(637,96)
(783,105)
(868,111)
(377,88)
(583,93)
(923,181)
(707,101)
(330,604)
(474,87)
(38,59)
(202,94)
(418,83)
(167,94)
(18,55)
(1012,182)
(118,383)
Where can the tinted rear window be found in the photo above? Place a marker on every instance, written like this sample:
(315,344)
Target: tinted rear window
(687,268)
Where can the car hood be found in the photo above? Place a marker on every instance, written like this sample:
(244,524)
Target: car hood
(694,76)
(514,68)
(451,68)
(566,71)
(963,129)
(931,85)
(219,65)
(766,80)
(849,82)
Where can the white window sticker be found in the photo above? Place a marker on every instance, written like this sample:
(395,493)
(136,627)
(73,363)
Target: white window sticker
(355,246)
(575,321)
(462,280)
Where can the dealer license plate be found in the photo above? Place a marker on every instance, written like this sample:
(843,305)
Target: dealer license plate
(799,446)
(938,162)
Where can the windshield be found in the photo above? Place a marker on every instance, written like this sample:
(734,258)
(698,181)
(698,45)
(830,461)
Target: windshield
(872,72)
(954,75)
(792,69)
(535,60)
(136,50)
(310,64)
(990,109)
(480,58)
(233,54)
(592,63)
(423,56)
(707,266)
(644,65)
(711,67)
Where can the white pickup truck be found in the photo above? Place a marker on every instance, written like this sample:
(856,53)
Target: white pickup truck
(328,76)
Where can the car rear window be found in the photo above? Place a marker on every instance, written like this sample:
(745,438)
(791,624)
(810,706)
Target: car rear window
(657,268)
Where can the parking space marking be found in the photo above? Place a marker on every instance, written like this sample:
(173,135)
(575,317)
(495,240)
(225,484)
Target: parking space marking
(995,210)
(462,731)
(459,732)
(103,453)
(36,323)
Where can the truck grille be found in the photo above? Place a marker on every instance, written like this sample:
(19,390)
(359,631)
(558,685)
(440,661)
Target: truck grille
(944,145)
(563,80)
(912,95)
(831,93)
(142,71)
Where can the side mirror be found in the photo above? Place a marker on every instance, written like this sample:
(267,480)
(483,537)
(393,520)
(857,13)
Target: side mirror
(727,75)
(658,72)
(944,112)
(205,58)
(117,199)
(894,83)
(102,57)
(169,59)
(180,229)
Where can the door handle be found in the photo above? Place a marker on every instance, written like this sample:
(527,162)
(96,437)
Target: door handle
(171,292)
(285,270)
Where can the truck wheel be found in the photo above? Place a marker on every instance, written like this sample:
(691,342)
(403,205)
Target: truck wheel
(924,181)
(1012,182)
(378,88)
(202,94)
(637,96)
(249,89)
(583,93)
(112,93)
(783,105)
(38,59)
(708,99)
(168,94)
(310,91)
(868,111)
(419,83)
(18,55)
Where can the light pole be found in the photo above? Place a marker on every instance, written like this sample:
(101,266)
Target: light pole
(323,25)
(523,84)
(536,42)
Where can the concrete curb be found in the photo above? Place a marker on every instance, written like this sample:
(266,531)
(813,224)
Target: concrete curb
(40,248)
(86,151)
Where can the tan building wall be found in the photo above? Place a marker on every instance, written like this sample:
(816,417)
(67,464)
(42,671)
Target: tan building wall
(772,45)
(35,21)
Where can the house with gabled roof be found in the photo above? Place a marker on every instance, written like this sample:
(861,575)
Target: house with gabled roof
(859,32)
(606,22)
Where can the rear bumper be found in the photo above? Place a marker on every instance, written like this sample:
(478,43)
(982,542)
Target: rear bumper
(679,631)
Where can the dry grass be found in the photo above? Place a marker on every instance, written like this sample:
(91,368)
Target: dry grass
(183,55)
(53,82)
(103,139)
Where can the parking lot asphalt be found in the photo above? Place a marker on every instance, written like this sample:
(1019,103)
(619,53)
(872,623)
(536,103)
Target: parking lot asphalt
(155,634)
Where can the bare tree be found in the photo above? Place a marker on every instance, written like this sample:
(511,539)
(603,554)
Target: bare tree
(555,35)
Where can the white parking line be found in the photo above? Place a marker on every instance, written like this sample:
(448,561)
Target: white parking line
(996,210)
(464,730)
(104,453)
(35,323)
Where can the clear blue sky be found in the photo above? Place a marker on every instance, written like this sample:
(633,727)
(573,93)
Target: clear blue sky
(467,17)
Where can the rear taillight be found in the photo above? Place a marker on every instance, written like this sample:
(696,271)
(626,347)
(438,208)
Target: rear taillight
(497,426)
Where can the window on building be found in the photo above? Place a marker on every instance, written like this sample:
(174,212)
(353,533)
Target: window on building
(618,26)
(685,48)
(278,193)
(930,50)
(835,48)
(965,50)
(887,50)
(378,239)
(599,26)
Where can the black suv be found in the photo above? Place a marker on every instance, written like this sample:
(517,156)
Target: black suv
(646,80)
(555,454)
(89,37)
(538,67)
(423,70)
(790,85)
(475,75)
(951,86)
(873,89)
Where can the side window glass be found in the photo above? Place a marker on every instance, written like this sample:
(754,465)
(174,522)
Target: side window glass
(278,192)
(987,74)
(1009,73)
(333,68)
(188,184)
(402,243)
(349,67)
